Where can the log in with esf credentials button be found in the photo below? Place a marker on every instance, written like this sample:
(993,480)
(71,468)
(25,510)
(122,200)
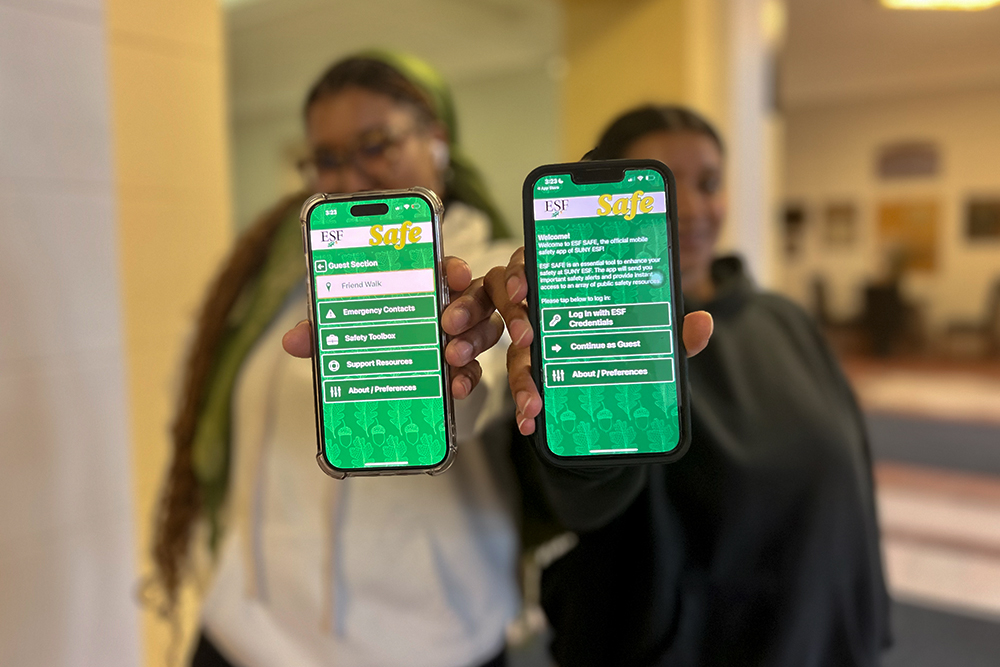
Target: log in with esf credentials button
(595,317)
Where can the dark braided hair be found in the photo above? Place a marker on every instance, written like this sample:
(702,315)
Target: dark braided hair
(181,499)
(373,75)
(637,123)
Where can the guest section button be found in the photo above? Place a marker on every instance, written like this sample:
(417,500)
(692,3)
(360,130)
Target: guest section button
(335,339)
(377,389)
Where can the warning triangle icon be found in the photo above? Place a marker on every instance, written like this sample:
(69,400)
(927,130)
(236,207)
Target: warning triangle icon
(330,315)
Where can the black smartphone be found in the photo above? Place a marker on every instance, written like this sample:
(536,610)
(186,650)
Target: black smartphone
(376,293)
(604,301)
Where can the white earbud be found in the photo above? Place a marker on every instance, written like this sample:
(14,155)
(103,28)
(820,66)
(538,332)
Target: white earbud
(439,153)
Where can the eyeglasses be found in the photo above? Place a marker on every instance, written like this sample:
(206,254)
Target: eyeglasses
(372,153)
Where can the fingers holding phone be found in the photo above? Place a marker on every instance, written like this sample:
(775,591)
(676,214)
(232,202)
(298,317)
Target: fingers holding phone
(474,326)
(297,341)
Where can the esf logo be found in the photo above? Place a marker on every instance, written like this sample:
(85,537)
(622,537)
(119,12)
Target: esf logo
(331,237)
(556,206)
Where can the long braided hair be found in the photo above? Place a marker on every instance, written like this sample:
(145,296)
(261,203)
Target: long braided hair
(181,499)
(647,119)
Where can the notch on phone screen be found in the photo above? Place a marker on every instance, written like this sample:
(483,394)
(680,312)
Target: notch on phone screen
(608,353)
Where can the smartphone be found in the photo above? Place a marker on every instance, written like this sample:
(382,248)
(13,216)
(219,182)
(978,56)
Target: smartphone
(376,292)
(604,301)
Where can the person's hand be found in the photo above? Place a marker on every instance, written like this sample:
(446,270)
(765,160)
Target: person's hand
(470,318)
(508,290)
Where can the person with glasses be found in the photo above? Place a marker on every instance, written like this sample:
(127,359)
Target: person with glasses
(410,570)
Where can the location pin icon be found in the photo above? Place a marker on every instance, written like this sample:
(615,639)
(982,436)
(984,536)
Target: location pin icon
(328,287)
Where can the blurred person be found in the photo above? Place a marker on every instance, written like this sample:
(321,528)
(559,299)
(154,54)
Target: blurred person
(407,570)
(761,545)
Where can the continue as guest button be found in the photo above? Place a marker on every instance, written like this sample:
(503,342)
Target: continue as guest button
(609,345)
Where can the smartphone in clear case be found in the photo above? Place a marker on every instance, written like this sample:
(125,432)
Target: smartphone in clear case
(376,293)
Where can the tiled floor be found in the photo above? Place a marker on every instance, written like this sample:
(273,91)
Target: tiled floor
(941,537)
(940,522)
(949,394)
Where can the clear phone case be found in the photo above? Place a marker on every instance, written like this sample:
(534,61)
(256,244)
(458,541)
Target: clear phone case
(437,212)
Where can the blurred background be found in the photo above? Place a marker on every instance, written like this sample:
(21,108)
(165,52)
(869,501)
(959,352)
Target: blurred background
(138,137)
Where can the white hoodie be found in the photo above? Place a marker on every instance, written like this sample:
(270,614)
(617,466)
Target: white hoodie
(386,571)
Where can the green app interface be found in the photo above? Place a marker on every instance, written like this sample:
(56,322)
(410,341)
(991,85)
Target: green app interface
(377,307)
(605,315)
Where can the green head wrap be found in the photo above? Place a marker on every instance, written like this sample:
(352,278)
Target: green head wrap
(465,182)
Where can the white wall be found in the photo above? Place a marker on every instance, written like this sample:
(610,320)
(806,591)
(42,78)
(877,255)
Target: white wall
(753,138)
(830,157)
(264,148)
(508,124)
(67,575)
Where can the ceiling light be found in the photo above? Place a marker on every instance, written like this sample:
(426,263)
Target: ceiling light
(967,5)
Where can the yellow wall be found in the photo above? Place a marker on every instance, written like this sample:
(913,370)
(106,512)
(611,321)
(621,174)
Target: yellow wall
(621,53)
(168,92)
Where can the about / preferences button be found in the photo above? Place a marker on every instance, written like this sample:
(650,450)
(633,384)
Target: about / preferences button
(622,371)
(375,389)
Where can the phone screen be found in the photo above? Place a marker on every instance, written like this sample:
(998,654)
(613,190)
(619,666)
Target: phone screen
(605,315)
(375,305)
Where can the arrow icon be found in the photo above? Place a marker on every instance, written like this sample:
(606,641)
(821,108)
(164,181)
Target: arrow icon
(557,347)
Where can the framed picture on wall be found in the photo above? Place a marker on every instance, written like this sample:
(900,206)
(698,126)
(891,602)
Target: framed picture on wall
(840,224)
(908,159)
(982,219)
(908,231)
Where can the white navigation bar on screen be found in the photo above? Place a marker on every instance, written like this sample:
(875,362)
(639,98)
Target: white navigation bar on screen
(591,207)
(396,235)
